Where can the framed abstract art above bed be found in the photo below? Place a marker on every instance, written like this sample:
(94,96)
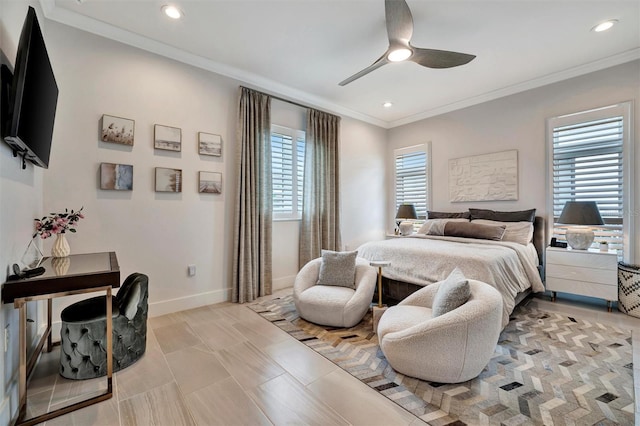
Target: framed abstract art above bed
(503,249)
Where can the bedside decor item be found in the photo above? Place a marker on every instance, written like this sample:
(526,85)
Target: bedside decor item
(58,224)
(210,183)
(116,176)
(167,138)
(209,144)
(405,211)
(581,216)
(168,180)
(117,130)
(487,177)
(604,246)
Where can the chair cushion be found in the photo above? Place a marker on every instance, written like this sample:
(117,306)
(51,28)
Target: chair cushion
(452,293)
(93,309)
(338,269)
(398,318)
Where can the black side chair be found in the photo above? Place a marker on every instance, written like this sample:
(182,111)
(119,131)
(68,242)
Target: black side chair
(83,343)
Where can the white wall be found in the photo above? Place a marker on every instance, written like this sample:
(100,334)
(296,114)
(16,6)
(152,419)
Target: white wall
(518,122)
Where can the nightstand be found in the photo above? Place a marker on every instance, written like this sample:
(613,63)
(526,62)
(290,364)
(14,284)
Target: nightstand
(585,272)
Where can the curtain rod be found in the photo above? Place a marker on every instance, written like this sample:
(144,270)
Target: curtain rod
(282,99)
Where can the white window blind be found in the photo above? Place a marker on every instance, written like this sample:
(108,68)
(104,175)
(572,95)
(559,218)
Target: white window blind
(287,165)
(589,165)
(412,178)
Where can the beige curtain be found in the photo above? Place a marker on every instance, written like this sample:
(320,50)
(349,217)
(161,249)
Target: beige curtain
(320,224)
(252,242)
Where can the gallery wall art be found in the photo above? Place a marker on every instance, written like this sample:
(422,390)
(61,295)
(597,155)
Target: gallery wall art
(117,177)
(168,180)
(210,182)
(487,177)
(117,130)
(167,138)
(209,144)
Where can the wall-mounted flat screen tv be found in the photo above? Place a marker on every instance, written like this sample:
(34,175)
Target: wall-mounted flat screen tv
(33,96)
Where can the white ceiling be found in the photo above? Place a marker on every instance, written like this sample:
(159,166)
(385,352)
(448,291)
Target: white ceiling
(301,49)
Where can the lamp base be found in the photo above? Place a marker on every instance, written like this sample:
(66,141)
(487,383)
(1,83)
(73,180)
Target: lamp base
(580,238)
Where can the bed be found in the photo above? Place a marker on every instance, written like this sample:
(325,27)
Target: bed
(513,268)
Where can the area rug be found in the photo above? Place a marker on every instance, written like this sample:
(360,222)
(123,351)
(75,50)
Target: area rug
(547,369)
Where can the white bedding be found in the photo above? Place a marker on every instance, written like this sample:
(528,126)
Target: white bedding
(425,259)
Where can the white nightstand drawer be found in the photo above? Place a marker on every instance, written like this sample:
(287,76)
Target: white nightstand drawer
(600,276)
(607,292)
(582,259)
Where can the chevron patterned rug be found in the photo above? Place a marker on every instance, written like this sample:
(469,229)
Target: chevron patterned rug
(547,369)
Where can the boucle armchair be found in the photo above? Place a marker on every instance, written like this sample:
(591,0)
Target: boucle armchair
(450,348)
(333,305)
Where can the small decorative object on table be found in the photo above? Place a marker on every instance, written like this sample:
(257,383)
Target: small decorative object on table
(58,224)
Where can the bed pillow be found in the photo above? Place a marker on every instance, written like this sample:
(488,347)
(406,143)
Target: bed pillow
(516,216)
(436,226)
(474,230)
(338,268)
(447,215)
(517,232)
(452,293)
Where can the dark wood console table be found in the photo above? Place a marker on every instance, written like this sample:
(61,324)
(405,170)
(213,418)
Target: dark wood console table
(75,274)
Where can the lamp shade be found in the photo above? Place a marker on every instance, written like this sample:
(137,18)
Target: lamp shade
(580,213)
(406,211)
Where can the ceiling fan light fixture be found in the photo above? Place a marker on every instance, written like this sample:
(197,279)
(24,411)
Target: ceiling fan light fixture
(399,55)
(387,104)
(604,26)
(172,11)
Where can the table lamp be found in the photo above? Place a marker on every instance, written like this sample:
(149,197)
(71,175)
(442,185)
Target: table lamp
(581,216)
(405,211)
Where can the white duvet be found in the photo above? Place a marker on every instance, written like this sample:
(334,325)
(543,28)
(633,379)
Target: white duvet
(425,259)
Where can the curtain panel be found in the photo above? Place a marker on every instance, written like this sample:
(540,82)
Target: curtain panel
(320,224)
(252,273)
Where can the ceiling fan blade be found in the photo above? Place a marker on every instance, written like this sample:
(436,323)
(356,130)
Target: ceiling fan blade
(377,64)
(399,22)
(439,58)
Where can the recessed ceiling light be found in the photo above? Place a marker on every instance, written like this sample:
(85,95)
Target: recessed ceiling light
(172,11)
(604,26)
(399,55)
(387,104)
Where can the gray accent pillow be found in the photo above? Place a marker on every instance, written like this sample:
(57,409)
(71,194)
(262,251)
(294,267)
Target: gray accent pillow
(448,215)
(516,216)
(452,293)
(474,230)
(338,268)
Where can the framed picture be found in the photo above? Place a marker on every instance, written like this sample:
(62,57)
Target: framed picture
(168,180)
(117,177)
(210,183)
(117,130)
(167,138)
(209,144)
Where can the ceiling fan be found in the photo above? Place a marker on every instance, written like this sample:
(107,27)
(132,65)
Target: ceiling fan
(400,29)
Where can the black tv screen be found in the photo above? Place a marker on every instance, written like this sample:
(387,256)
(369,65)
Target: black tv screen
(33,96)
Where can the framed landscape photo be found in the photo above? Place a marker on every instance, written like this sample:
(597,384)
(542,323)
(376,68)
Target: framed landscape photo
(168,180)
(209,144)
(117,130)
(167,138)
(210,183)
(117,177)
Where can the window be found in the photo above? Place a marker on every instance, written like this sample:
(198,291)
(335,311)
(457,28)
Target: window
(412,177)
(287,165)
(590,154)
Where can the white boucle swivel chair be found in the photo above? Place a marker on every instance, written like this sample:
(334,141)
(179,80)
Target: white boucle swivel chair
(450,348)
(333,305)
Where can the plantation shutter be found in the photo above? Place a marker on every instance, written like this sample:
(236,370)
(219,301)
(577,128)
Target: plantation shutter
(588,166)
(300,171)
(411,180)
(282,173)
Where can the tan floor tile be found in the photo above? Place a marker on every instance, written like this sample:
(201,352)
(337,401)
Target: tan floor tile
(260,332)
(164,320)
(104,413)
(248,365)
(176,336)
(285,401)
(217,336)
(301,362)
(224,403)
(195,367)
(70,391)
(163,405)
(200,315)
(148,372)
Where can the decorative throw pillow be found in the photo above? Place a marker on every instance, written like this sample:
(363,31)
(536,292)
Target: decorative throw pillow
(516,216)
(448,215)
(338,268)
(436,226)
(517,232)
(474,230)
(452,293)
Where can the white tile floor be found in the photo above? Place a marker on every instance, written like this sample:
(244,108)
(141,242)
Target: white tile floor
(225,365)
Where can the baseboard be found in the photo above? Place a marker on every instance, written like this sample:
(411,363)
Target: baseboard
(284,282)
(189,302)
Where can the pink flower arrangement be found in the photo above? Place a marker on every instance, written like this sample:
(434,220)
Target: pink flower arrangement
(57,223)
